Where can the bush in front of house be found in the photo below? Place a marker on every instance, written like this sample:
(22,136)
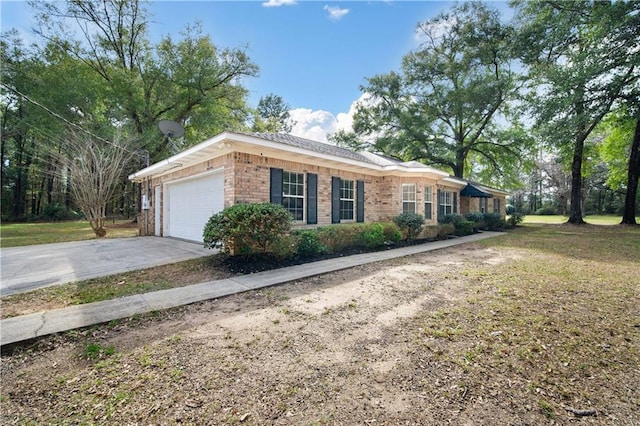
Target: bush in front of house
(341,237)
(247,228)
(372,236)
(308,243)
(493,222)
(391,231)
(452,218)
(445,230)
(464,227)
(478,220)
(410,225)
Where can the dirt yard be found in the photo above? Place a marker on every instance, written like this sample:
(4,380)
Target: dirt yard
(437,338)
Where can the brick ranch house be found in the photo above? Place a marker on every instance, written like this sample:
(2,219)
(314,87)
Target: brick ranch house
(318,183)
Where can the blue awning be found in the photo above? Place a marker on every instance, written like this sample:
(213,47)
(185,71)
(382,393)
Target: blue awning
(473,191)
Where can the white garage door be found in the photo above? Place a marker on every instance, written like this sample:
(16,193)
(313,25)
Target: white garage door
(191,203)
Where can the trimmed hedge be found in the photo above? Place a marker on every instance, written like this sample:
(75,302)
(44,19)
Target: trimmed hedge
(248,229)
(361,235)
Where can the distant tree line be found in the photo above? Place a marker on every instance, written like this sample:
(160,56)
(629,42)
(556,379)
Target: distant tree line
(546,104)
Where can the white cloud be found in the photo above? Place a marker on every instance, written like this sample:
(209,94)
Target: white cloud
(278,3)
(315,125)
(335,12)
(318,124)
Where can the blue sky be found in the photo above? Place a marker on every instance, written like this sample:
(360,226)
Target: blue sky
(315,54)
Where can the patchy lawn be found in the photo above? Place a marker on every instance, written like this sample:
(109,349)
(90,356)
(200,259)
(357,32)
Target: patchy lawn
(25,234)
(539,326)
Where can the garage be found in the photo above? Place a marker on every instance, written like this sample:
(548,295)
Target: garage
(189,203)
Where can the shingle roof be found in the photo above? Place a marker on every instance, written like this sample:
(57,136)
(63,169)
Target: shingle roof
(311,145)
(325,148)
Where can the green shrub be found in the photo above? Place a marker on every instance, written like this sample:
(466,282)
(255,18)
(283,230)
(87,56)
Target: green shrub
(391,231)
(478,220)
(547,211)
(451,218)
(410,225)
(429,232)
(464,227)
(510,209)
(337,238)
(372,235)
(247,228)
(308,243)
(493,222)
(57,211)
(515,219)
(446,230)
(284,247)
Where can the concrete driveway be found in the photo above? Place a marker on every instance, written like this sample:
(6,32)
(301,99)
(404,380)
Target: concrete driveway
(30,267)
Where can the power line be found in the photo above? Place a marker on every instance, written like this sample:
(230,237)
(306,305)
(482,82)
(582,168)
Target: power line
(60,117)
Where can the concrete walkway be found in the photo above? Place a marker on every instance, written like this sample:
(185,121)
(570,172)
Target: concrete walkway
(17,329)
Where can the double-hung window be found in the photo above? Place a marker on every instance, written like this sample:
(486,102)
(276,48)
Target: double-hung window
(293,194)
(347,199)
(446,202)
(496,205)
(408,198)
(428,202)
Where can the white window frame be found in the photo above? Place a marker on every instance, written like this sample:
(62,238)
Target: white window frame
(446,201)
(428,199)
(287,193)
(408,192)
(496,205)
(347,196)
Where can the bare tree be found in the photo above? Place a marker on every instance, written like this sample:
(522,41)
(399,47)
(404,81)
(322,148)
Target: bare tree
(94,167)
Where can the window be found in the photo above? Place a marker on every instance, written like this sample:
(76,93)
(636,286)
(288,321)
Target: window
(483,205)
(446,202)
(496,206)
(293,194)
(347,199)
(428,202)
(408,198)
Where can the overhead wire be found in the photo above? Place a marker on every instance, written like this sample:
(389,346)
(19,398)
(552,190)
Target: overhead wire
(60,117)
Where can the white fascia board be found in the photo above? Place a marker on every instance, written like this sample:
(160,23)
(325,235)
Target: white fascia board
(149,171)
(455,181)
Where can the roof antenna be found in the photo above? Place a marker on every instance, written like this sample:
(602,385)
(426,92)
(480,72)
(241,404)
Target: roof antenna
(171,129)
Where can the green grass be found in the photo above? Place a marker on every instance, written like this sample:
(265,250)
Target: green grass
(24,234)
(592,219)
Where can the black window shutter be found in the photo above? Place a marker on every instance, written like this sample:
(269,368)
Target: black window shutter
(312,198)
(335,199)
(440,206)
(276,186)
(455,202)
(360,201)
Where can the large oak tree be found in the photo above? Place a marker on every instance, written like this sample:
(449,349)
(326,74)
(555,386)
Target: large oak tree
(444,106)
(583,58)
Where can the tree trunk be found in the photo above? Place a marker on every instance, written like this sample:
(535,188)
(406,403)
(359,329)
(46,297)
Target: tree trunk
(629,215)
(575,214)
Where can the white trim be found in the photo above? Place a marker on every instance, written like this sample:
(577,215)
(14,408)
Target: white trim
(157,196)
(226,142)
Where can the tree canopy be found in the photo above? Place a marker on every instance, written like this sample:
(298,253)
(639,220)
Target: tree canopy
(445,105)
